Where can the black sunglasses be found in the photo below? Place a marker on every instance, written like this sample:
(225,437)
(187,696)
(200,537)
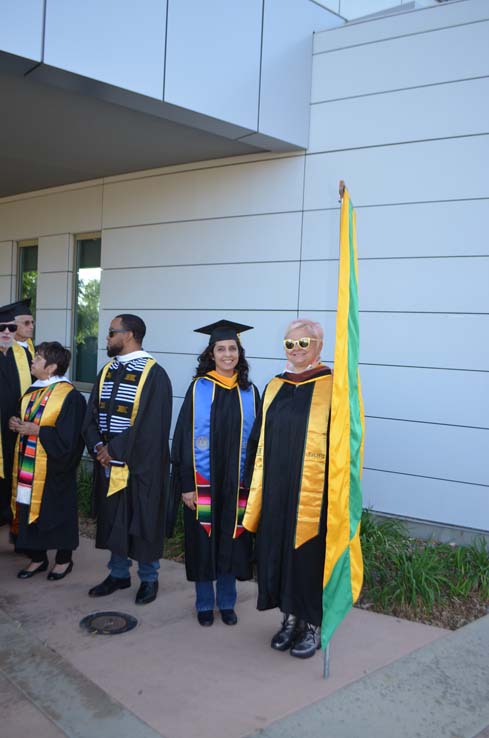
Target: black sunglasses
(8,327)
(112,331)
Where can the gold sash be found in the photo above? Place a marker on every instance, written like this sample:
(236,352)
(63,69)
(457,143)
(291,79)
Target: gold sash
(23,367)
(119,475)
(313,461)
(48,419)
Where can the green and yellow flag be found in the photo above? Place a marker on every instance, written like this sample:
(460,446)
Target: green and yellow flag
(343,566)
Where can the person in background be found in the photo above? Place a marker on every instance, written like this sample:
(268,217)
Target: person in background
(287,504)
(47,453)
(25,324)
(208,455)
(126,430)
(15,378)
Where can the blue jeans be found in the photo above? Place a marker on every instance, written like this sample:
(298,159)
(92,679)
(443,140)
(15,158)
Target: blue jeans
(119,568)
(225,595)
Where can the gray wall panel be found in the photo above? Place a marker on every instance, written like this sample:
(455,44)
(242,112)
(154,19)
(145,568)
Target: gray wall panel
(403,285)
(21,28)
(436,170)
(428,58)
(402,24)
(427,450)
(457,109)
(213,58)
(427,499)
(426,395)
(114,41)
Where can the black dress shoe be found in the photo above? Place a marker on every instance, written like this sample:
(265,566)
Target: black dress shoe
(146,593)
(26,574)
(109,585)
(285,637)
(307,643)
(54,576)
(205,617)
(229,617)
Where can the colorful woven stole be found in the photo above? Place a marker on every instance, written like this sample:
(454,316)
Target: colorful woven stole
(119,475)
(203,397)
(30,458)
(23,367)
(313,460)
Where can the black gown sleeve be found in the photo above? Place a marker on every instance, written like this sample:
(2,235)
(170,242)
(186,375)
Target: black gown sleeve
(90,429)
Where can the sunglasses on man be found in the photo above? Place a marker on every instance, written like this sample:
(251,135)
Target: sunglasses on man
(302,343)
(8,327)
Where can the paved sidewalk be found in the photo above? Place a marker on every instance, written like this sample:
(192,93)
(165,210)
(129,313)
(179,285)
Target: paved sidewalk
(170,677)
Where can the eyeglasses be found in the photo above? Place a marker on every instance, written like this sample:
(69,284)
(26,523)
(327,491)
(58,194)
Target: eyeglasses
(8,327)
(27,322)
(112,331)
(302,343)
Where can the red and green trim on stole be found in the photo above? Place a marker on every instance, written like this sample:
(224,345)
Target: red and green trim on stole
(27,448)
(203,397)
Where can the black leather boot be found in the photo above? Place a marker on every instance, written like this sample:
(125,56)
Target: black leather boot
(307,641)
(284,638)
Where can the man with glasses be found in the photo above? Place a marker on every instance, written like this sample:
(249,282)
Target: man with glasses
(126,430)
(15,378)
(25,324)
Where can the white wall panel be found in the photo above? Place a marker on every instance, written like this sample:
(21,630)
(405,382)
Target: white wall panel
(5,284)
(401,24)
(21,28)
(435,170)
(438,341)
(113,41)
(51,326)
(268,186)
(457,109)
(427,499)
(220,287)
(7,258)
(54,253)
(63,211)
(213,58)
(406,285)
(420,229)
(52,290)
(429,58)
(441,451)
(223,240)
(427,395)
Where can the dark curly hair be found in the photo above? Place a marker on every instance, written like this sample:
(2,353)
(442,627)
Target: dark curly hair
(207,364)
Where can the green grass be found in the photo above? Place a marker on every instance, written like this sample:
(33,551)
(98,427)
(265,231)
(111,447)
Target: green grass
(417,575)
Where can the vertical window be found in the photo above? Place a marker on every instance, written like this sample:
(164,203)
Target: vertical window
(27,272)
(87,303)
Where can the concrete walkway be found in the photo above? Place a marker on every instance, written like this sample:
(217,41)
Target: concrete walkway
(170,677)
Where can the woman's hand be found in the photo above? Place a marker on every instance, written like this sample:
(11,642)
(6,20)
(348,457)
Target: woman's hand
(23,427)
(190,499)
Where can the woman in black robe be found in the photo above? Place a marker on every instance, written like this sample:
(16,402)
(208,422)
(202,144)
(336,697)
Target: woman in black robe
(208,454)
(287,503)
(47,454)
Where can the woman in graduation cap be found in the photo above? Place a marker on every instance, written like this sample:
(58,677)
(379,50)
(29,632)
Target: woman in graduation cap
(208,455)
(287,503)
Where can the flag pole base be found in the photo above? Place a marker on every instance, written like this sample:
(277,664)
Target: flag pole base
(326,662)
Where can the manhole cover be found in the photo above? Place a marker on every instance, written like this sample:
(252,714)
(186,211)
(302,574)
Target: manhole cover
(108,623)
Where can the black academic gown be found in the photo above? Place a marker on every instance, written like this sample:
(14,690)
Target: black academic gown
(57,525)
(207,556)
(288,578)
(131,522)
(10,393)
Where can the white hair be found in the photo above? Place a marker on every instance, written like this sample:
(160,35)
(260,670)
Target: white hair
(315,330)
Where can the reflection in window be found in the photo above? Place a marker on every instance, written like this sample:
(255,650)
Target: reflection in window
(87,303)
(27,282)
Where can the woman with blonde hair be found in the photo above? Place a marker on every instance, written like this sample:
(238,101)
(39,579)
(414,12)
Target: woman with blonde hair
(287,474)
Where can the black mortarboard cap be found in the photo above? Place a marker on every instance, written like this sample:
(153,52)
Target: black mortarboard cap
(21,307)
(223,330)
(7,315)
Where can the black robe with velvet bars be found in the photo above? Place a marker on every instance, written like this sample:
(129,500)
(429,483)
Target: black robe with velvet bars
(289,578)
(57,525)
(131,522)
(207,556)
